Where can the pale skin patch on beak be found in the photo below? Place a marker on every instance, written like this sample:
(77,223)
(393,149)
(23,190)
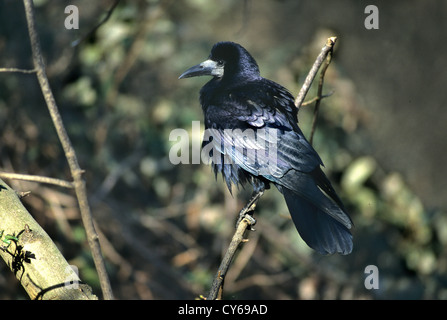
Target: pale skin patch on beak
(206,68)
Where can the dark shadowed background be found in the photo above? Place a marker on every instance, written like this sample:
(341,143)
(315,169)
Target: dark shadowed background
(165,227)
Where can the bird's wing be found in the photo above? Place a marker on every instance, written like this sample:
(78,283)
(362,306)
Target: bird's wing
(254,131)
(255,127)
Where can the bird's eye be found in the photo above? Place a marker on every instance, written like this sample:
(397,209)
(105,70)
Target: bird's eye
(220,62)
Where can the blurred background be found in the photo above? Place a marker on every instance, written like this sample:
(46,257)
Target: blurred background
(165,227)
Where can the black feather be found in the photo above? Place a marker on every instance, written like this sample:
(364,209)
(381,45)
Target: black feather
(253,137)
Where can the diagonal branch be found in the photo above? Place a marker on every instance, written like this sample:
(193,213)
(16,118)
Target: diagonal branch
(76,171)
(319,94)
(313,71)
(245,221)
(99,24)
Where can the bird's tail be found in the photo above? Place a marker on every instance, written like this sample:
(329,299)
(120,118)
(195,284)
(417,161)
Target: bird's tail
(319,229)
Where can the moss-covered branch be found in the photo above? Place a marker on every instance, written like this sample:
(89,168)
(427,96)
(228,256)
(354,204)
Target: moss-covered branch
(33,257)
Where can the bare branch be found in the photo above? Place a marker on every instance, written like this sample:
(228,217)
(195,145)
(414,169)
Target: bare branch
(238,238)
(99,24)
(245,221)
(41,179)
(319,95)
(313,71)
(308,102)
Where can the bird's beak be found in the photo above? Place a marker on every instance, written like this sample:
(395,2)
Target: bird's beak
(206,68)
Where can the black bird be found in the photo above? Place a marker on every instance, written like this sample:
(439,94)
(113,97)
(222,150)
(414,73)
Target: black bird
(253,123)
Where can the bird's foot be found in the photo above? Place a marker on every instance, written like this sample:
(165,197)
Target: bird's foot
(249,218)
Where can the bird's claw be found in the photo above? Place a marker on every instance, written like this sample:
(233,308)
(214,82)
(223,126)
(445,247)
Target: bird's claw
(250,221)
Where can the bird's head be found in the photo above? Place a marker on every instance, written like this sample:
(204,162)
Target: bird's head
(227,59)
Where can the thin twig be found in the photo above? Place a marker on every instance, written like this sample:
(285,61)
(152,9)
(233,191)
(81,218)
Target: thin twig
(245,221)
(96,27)
(238,238)
(319,95)
(313,71)
(76,172)
(308,102)
(18,70)
(40,179)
